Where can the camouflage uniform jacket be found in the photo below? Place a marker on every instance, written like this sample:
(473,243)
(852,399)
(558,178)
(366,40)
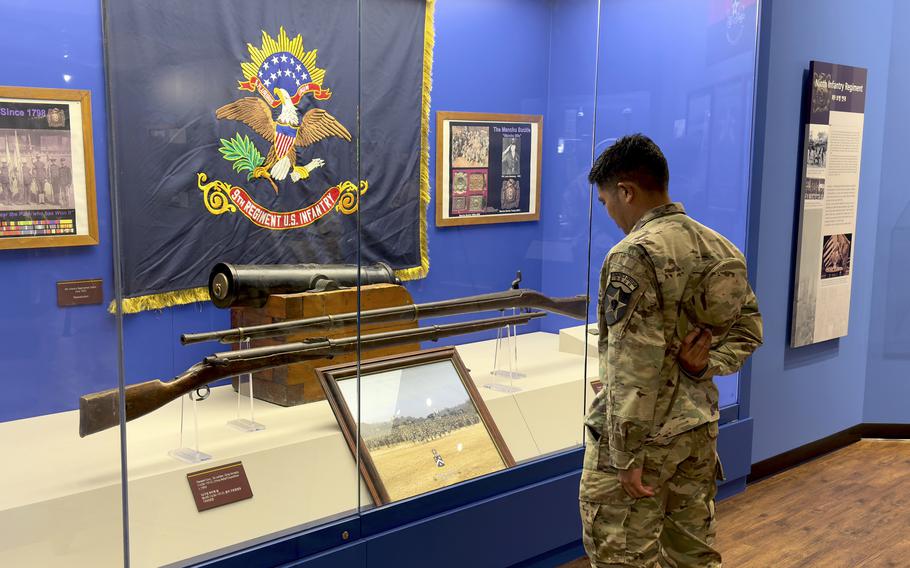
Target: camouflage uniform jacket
(648,398)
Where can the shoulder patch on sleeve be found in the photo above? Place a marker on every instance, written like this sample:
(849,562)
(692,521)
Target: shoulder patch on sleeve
(618,295)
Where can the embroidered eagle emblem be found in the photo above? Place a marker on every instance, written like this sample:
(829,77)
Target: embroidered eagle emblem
(281,72)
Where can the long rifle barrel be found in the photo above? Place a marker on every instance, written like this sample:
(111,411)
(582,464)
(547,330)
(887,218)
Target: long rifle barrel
(573,306)
(100,411)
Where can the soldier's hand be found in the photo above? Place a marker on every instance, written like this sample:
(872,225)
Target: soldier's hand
(693,355)
(630,479)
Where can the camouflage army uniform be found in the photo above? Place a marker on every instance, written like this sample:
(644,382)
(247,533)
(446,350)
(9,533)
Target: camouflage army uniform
(668,274)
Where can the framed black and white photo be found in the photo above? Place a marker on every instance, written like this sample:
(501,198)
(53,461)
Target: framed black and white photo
(487,168)
(47,173)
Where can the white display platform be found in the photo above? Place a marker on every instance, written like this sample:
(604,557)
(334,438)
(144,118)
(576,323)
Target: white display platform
(61,498)
(572,340)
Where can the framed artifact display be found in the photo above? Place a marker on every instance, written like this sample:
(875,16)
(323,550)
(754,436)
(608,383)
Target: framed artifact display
(487,168)
(47,172)
(423,425)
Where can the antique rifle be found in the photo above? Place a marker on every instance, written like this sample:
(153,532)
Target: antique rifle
(573,307)
(101,410)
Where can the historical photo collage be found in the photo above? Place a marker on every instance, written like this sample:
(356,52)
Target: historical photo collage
(488,173)
(36,171)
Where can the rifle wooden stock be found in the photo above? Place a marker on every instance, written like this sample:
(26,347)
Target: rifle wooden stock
(100,411)
(573,306)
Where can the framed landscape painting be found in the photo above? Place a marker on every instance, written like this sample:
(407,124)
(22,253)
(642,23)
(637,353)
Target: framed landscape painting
(423,425)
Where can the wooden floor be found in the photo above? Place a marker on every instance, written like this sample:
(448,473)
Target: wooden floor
(848,509)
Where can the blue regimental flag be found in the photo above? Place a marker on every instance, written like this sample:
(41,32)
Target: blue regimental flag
(236,137)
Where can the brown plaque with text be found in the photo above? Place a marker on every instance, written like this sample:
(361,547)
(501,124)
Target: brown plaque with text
(597,386)
(79,293)
(220,485)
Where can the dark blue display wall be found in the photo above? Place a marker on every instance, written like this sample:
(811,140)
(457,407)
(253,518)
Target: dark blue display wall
(802,395)
(51,355)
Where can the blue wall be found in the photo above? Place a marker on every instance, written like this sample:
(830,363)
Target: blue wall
(478,259)
(52,355)
(888,370)
(801,395)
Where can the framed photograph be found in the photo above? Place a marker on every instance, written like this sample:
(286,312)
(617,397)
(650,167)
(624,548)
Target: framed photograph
(487,168)
(423,425)
(47,171)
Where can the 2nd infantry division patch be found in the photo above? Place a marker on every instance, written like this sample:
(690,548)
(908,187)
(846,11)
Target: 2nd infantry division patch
(617,297)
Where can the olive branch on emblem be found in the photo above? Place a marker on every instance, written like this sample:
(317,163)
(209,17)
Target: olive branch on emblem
(243,153)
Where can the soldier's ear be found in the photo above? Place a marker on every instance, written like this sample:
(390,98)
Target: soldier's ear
(626,191)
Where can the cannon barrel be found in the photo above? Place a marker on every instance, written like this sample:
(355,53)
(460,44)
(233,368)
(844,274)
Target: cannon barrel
(238,285)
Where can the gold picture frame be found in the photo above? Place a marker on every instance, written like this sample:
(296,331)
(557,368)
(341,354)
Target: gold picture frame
(423,425)
(503,150)
(47,169)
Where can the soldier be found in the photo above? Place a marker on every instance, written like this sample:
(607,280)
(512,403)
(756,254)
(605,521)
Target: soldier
(40,170)
(54,178)
(25,184)
(5,187)
(32,182)
(675,309)
(66,180)
(15,197)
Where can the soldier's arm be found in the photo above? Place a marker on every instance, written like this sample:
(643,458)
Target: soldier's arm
(744,337)
(634,359)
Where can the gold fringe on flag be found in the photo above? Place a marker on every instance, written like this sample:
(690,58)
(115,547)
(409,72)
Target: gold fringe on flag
(161,301)
(429,39)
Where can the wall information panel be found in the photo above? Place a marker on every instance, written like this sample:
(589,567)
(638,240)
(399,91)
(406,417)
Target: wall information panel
(830,188)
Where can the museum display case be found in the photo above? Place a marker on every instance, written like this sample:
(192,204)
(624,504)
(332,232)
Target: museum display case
(344,259)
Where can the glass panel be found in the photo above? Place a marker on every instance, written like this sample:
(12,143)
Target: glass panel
(689,88)
(889,328)
(61,499)
(235,130)
(530,96)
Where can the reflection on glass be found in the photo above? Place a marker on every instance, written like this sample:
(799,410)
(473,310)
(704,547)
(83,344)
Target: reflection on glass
(696,104)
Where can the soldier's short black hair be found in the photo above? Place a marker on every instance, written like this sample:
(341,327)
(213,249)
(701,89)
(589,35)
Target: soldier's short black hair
(632,158)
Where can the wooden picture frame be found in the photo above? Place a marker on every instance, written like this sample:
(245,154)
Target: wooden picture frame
(404,453)
(488,168)
(47,169)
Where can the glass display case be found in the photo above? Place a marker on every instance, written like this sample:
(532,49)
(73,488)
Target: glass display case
(424,166)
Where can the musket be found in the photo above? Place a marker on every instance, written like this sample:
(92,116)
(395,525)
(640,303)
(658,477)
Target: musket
(101,410)
(573,307)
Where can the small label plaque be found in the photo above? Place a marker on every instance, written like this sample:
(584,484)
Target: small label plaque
(79,293)
(596,385)
(219,485)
